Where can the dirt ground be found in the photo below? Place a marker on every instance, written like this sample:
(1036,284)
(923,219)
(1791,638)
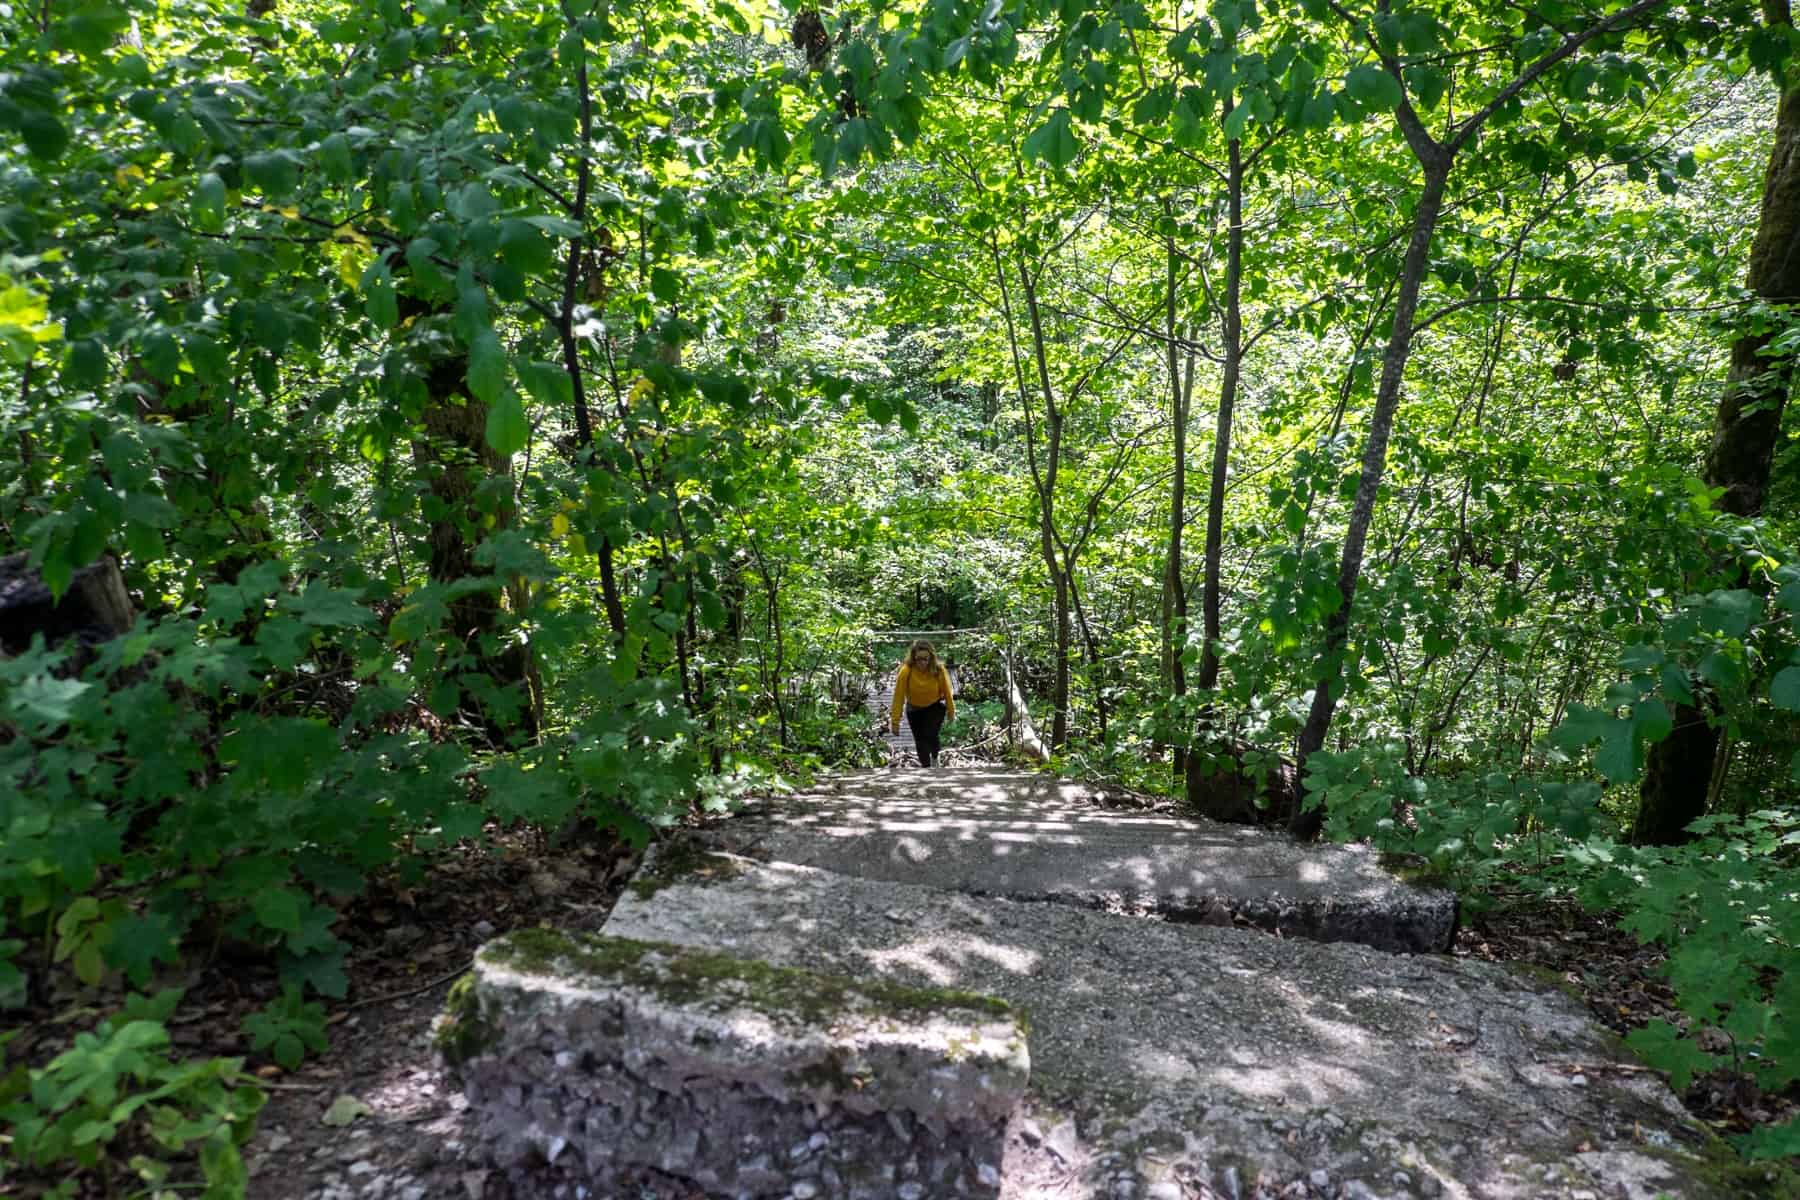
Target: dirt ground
(411,1135)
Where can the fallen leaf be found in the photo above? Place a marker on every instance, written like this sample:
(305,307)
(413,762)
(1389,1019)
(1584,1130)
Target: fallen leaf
(344,1110)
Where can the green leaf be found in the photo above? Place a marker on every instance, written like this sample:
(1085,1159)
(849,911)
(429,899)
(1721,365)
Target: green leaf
(473,201)
(1154,106)
(276,173)
(1784,690)
(472,318)
(1428,85)
(287,1028)
(1729,613)
(152,511)
(1538,43)
(1789,599)
(1662,1046)
(1674,683)
(1236,119)
(1617,758)
(85,368)
(44,135)
(1721,670)
(1582,727)
(277,909)
(548,383)
(379,298)
(284,641)
(1054,141)
(513,115)
(1772,1141)
(323,972)
(524,247)
(140,942)
(1371,86)
(223,1167)
(1318,111)
(1229,14)
(334,157)
(507,429)
(333,607)
(665,285)
(487,367)
(44,701)
(1651,719)
(560,227)
(89,30)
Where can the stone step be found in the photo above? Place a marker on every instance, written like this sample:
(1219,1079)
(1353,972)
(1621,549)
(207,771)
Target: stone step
(588,1058)
(1192,1061)
(1032,836)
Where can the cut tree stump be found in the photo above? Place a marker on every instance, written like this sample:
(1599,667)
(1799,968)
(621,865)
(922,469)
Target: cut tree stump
(94,609)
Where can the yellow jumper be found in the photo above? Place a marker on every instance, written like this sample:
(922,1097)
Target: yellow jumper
(921,690)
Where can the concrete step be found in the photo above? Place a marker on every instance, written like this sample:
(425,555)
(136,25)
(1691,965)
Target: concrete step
(1172,1061)
(591,1058)
(1024,835)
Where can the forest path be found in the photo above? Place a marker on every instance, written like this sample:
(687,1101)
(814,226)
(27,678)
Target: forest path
(986,830)
(1173,1060)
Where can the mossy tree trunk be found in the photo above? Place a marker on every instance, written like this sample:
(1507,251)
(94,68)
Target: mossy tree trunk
(1679,770)
(469,494)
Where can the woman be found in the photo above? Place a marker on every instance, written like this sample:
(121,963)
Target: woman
(923,688)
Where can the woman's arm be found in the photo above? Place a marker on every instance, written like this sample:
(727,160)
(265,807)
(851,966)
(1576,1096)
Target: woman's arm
(949,696)
(899,699)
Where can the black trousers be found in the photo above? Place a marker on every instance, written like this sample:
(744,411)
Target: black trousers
(927,724)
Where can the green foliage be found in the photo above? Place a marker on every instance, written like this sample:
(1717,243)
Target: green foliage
(117,1091)
(1723,908)
(499,418)
(1469,827)
(1773,1141)
(287,1028)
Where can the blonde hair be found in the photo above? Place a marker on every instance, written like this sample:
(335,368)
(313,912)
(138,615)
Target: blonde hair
(927,647)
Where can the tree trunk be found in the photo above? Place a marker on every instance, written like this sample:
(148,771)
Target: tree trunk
(1306,824)
(1204,794)
(1175,606)
(773,676)
(1436,158)
(1678,770)
(1096,665)
(1059,579)
(93,608)
(456,461)
(571,351)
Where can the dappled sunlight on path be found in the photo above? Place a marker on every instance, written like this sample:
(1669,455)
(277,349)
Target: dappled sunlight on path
(1027,835)
(1225,1044)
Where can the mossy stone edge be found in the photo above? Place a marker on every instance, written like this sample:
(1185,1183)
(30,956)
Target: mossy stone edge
(684,975)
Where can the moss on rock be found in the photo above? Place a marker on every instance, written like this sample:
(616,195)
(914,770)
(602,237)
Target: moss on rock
(459,1032)
(1541,978)
(679,860)
(1415,869)
(682,975)
(1727,1173)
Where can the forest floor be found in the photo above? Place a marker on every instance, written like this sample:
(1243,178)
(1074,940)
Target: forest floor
(404,1133)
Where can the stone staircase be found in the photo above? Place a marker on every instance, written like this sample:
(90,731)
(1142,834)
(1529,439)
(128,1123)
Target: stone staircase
(982,982)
